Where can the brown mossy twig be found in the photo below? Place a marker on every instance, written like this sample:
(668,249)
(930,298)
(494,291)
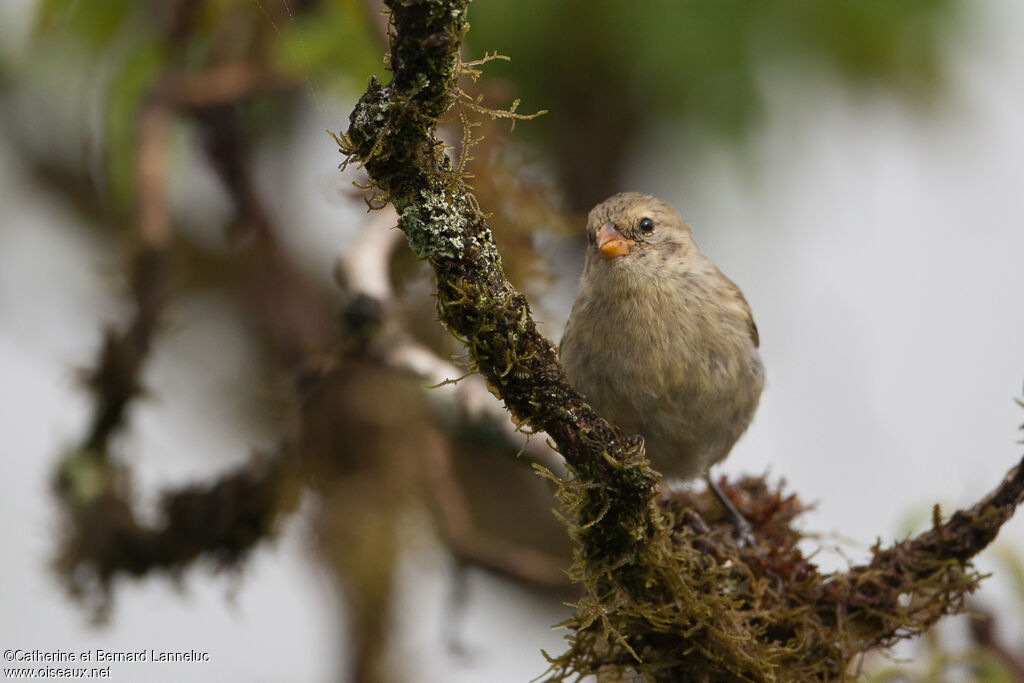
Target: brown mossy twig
(472,546)
(115,379)
(668,594)
(392,135)
(103,535)
(983,631)
(222,521)
(290,312)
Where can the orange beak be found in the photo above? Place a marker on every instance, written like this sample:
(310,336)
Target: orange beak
(611,242)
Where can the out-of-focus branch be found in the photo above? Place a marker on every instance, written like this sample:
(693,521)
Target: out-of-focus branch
(473,405)
(222,520)
(363,273)
(289,311)
(378,18)
(151,170)
(114,381)
(222,84)
(460,400)
(983,631)
(470,545)
(362,269)
(913,583)
(103,534)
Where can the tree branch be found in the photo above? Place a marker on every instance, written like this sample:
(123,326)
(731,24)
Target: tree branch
(669,594)
(392,134)
(103,535)
(461,401)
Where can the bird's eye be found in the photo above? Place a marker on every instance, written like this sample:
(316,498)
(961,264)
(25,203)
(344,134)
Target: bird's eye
(646,226)
(591,238)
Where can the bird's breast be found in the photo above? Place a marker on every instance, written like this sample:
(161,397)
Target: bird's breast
(674,365)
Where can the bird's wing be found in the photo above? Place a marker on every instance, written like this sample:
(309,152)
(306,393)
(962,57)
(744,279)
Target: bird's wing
(741,302)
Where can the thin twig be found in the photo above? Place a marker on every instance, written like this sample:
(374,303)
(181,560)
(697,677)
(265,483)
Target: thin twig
(470,545)
(362,270)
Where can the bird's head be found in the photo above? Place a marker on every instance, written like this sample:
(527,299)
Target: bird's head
(636,231)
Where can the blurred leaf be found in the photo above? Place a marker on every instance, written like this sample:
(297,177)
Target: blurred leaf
(667,51)
(138,73)
(94,23)
(609,71)
(899,42)
(334,42)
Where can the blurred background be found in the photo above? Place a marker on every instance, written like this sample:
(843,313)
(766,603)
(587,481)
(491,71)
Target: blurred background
(214,360)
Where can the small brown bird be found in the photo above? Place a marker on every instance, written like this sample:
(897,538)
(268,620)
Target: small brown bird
(658,340)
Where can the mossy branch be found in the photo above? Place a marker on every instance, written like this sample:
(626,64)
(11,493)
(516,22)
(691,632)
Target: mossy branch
(222,520)
(392,134)
(668,593)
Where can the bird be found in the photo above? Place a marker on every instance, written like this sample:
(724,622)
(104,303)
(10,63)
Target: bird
(659,341)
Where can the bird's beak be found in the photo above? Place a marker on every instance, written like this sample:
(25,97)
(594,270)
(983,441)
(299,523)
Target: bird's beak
(611,242)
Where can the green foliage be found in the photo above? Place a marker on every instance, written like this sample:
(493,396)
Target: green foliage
(334,44)
(898,42)
(610,71)
(120,51)
(132,83)
(606,70)
(116,47)
(699,59)
(95,24)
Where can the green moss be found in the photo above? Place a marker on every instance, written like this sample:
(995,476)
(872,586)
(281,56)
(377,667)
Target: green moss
(689,604)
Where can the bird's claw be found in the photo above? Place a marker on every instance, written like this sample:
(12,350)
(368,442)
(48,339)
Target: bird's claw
(742,529)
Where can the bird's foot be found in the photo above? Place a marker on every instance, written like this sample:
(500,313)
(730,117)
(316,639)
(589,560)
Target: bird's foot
(742,529)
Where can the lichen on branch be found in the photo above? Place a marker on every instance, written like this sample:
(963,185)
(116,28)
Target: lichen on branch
(392,134)
(668,592)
